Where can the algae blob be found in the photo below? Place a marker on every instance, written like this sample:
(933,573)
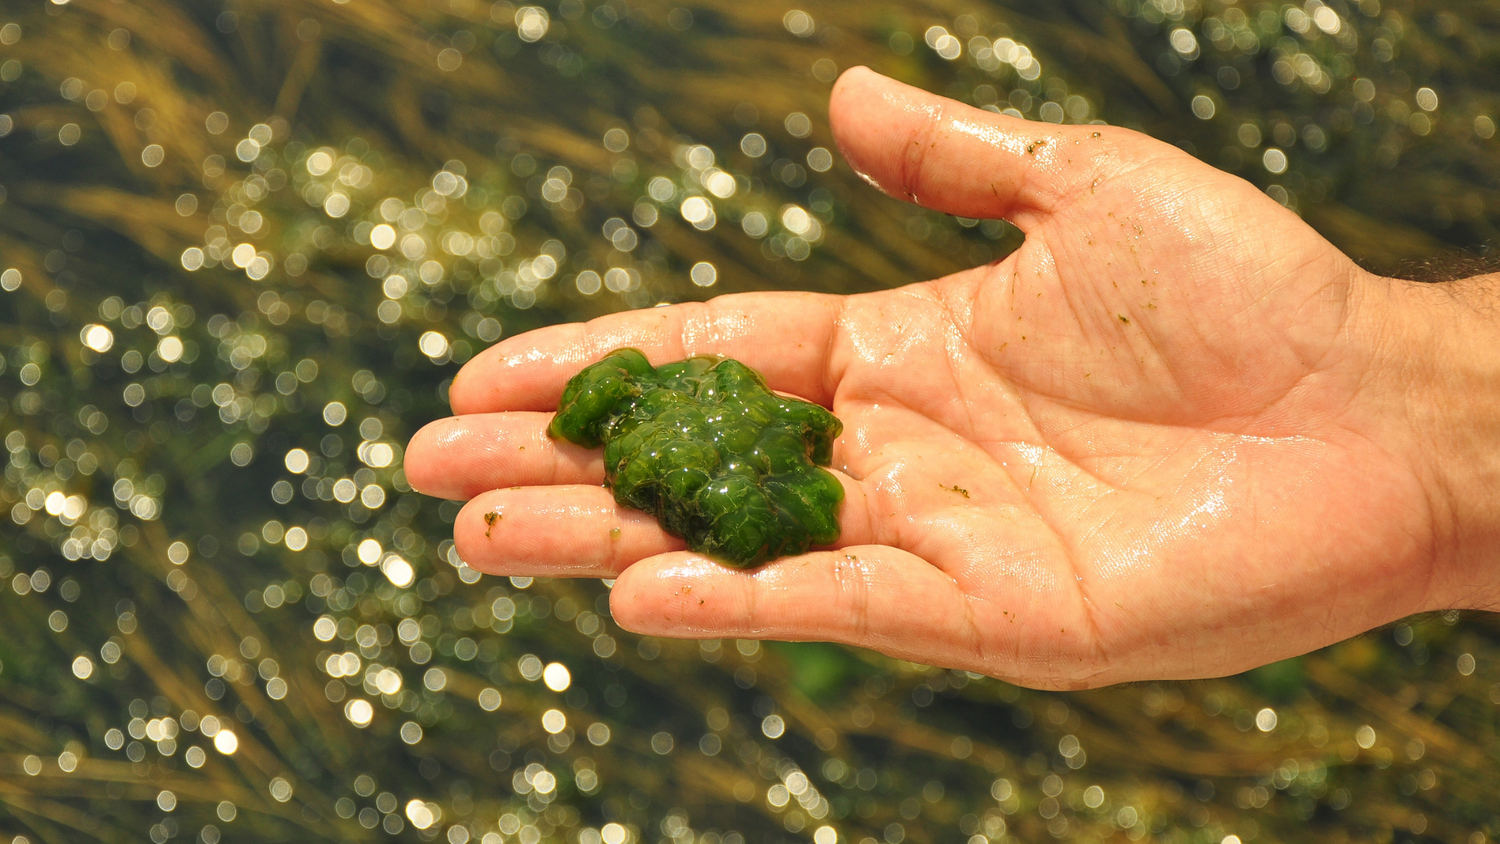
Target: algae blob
(705,447)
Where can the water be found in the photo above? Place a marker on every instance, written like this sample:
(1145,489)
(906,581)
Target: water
(244,248)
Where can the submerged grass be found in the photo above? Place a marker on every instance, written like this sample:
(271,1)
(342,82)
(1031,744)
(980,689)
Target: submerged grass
(242,248)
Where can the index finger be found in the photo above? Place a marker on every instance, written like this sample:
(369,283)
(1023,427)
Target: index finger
(787,337)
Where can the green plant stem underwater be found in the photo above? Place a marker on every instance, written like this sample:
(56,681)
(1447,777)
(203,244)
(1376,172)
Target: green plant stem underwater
(245,247)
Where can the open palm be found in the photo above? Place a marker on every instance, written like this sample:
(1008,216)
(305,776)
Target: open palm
(1149,443)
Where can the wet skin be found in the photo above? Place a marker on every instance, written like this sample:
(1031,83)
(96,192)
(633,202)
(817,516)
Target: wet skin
(707,449)
(1176,434)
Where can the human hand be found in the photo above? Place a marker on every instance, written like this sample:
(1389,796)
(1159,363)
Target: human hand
(1171,436)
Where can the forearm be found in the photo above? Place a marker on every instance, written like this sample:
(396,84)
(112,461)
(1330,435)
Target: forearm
(1446,347)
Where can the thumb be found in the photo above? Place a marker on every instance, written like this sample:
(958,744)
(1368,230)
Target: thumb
(961,160)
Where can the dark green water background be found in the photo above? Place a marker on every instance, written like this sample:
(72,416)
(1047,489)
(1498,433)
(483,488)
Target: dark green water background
(244,247)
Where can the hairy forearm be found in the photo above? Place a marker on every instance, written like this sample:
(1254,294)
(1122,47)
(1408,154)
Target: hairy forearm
(1446,347)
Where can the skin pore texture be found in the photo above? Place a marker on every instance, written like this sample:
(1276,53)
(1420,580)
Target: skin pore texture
(1176,434)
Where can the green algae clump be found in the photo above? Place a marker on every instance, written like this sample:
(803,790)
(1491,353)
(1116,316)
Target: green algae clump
(705,447)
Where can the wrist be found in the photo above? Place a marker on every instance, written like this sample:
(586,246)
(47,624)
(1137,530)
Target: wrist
(1444,348)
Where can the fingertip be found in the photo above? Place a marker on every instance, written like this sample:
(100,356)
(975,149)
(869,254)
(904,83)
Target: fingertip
(876,120)
(571,530)
(472,528)
(670,595)
(492,380)
(463,393)
(418,461)
(844,105)
(625,600)
(850,81)
(625,610)
(524,372)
